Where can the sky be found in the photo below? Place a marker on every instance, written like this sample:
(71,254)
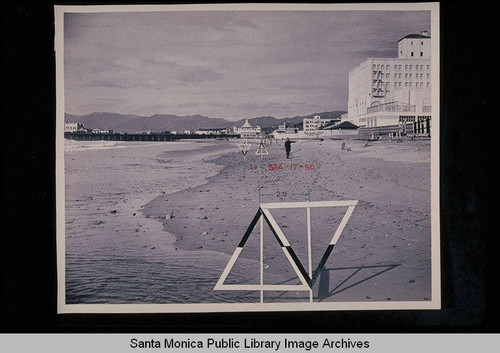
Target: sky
(223,64)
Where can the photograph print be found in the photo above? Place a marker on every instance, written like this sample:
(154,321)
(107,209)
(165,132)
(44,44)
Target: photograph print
(216,158)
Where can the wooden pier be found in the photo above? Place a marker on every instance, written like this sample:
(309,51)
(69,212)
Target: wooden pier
(141,137)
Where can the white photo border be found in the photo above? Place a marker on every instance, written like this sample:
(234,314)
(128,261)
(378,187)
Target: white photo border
(433,304)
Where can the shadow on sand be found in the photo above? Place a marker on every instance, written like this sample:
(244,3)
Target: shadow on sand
(358,273)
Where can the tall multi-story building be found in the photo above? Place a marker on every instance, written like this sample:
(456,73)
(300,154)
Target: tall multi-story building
(393,91)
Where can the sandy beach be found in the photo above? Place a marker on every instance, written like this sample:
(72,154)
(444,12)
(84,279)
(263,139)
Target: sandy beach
(114,254)
(384,253)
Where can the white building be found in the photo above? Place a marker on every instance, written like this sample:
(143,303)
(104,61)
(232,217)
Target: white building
(311,125)
(212,131)
(393,91)
(248,131)
(73,127)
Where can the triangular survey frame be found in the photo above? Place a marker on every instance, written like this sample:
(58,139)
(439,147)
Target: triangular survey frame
(261,150)
(244,147)
(307,280)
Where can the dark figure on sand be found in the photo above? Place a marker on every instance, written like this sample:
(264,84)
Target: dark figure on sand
(288,147)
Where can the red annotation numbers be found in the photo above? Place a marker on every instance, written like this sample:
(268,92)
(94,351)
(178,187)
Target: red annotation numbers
(293,166)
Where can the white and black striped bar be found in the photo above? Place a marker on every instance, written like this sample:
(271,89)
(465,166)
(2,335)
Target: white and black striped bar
(237,251)
(332,244)
(250,228)
(286,247)
(321,264)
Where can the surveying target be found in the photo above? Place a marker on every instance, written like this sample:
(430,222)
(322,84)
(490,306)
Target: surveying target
(244,147)
(261,150)
(306,277)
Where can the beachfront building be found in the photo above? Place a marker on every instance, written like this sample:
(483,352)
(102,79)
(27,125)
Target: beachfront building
(248,131)
(345,128)
(316,123)
(393,94)
(74,127)
(213,131)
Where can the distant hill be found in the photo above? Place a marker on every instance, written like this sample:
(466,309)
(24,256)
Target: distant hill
(135,123)
(263,122)
(167,122)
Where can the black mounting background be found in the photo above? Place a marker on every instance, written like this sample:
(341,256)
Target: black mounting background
(469,94)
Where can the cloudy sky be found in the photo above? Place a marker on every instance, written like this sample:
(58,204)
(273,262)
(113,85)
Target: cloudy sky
(223,64)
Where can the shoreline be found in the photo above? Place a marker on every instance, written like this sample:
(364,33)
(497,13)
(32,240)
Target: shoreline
(393,210)
(115,253)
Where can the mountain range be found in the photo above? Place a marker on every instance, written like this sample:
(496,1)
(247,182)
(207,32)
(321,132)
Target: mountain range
(167,122)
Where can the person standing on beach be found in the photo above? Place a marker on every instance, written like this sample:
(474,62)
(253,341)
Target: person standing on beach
(288,147)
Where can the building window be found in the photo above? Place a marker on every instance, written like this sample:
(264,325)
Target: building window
(399,84)
(400,52)
(406,67)
(421,53)
(428,67)
(411,54)
(428,75)
(421,43)
(406,84)
(406,75)
(410,76)
(395,84)
(374,67)
(387,75)
(382,67)
(411,43)
(411,66)
(428,84)
(388,67)
(410,84)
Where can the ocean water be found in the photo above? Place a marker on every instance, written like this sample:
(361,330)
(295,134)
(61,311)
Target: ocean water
(113,253)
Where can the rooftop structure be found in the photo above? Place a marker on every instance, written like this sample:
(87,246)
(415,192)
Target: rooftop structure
(248,131)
